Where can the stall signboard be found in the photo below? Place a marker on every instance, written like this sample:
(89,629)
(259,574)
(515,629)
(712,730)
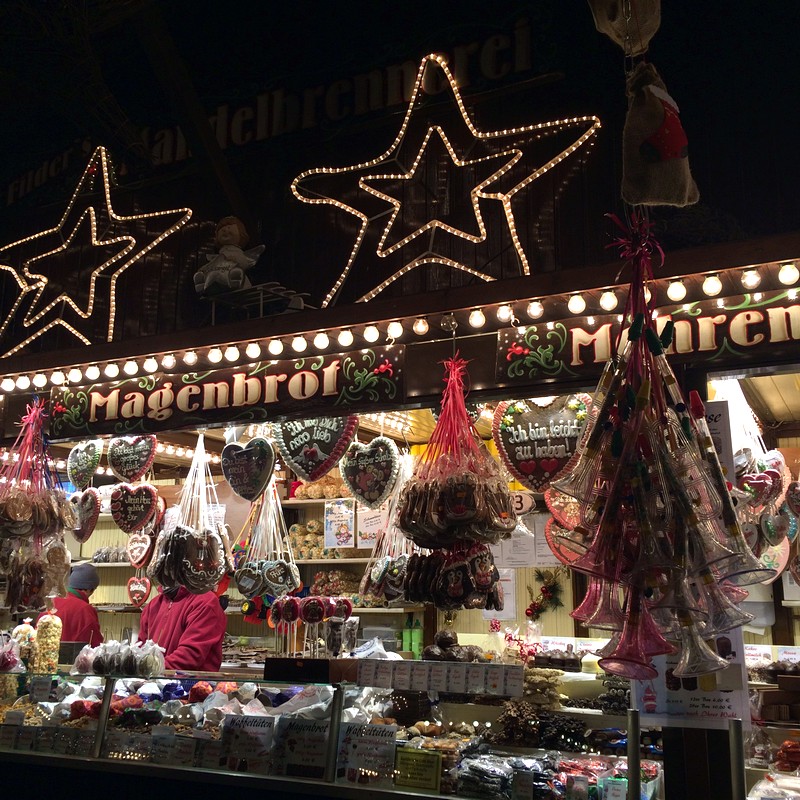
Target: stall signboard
(252,393)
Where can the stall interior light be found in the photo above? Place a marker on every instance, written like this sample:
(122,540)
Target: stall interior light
(168,361)
(7,385)
(130,367)
(253,350)
(58,378)
(92,372)
(505,313)
(788,274)
(576,304)
(40,380)
(751,278)
(477,319)
(299,344)
(676,291)
(535,309)
(214,355)
(371,333)
(23,382)
(394,329)
(190,358)
(608,300)
(321,340)
(275,347)
(111,370)
(712,285)
(420,326)
(75,375)
(345,338)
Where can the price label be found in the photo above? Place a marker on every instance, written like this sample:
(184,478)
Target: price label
(15,717)
(61,741)
(495,678)
(438,679)
(577,787)
(384,674)
(402,675)
(616,789)
(522,785)
(456,678)
(183,751)
(476,678)
(45,739)
(523,502)
(418,769)
(26,738)
(420,676)
(366,671)
(8,735)
(40,688)
(161,747)
(514,680)
(210,754)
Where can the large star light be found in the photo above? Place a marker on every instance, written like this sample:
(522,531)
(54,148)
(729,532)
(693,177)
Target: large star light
(41,300)
(382,193)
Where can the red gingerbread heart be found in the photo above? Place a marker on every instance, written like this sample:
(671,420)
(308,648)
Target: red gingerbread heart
(87,511)
(757,487)
(132,507)
(139,590)
(140,548)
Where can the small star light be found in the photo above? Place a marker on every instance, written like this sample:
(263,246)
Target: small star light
(43,300)
(495,173)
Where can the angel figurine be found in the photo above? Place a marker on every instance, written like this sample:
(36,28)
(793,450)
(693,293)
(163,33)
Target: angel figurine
(226,269)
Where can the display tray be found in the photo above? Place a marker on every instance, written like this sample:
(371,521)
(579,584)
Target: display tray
(311,670)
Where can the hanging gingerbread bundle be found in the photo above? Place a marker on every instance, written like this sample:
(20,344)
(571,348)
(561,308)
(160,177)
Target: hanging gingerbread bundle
(661,542)
(193,549)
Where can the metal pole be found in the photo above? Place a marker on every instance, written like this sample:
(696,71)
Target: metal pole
(736,741)
(634,756)
(337,706)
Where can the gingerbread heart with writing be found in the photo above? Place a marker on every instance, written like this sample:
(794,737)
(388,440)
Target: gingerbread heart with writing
(131,456)
(82,462)
(86,506)
(140,549)
(757,486)
(249,580)
(793,497)
(139,590)
(312,447)
(248,468)
(536,441)
(774,527)
(370,470)
(132,507)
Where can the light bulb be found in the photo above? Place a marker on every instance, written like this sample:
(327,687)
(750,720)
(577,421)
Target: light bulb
(321,340)
(299,344)
(214,355)
(712,285)
(505,313)
(57,378)
(92,372)
(477,318)
(231,353)
(788,274)
(420,326)
(23,382)
(648,295)
(111,370)
(169,361)
(190,358)
(535,309)
(576,304)
(275,347)
(371,333)
(751,278)
(345,338)
(676,291)
(590,320)
(253,350)
(608,300)
(74,375)
(7,385)
(395,329)
(150,364)
(130,367)
(40,380)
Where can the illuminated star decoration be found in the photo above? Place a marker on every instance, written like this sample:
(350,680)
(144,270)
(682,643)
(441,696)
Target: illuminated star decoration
(301,189)
(125,250)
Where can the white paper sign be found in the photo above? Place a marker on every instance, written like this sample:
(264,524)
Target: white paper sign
(370,522)
(719,426)
(340,522)
(366,755)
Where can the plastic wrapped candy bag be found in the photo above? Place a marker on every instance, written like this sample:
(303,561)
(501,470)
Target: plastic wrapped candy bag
(10,660)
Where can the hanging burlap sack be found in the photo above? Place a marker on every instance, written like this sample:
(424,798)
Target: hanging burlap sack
(645,19)
(655,159)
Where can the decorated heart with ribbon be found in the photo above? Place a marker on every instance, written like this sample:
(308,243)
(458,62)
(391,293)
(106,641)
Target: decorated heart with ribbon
(776,489)
(131,456)
(82,462)
(139,590)
(774,528)
(249,580)
(793,497)
(758,486)
(776,557)
(536,442)
(370,470)
(792,517)
(132,507)
(248,468)
(312,447)
(140,548)
(87,511)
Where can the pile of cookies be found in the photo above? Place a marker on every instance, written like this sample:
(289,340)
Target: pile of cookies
(328,487)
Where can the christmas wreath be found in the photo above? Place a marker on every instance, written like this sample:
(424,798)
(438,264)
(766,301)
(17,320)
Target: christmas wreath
(549,596)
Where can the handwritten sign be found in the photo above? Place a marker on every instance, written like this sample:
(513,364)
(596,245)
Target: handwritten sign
(366,755)
(371,521)
(418,769)
(300,748)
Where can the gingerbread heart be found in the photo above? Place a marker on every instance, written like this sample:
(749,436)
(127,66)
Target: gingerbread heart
(131,456)
(248,469)
(139,590)
(791,517)
(566,545)
(132,507)
(777,558)
(370,470)
(82,462)
(87,511)
(536,442)
(774,528)
(776,489)
(757,486)
(140,548)
(249,580)
(793,497)
(312,447)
